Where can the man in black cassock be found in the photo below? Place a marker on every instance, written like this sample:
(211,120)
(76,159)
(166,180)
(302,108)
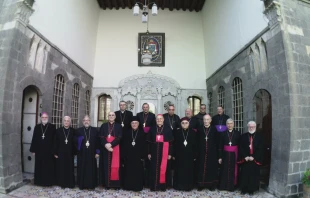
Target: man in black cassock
(207,156)
(146,120)
(64,151)
(123,116)
(134,152)
(160,139)
(228,157)
(41,147)
(251,158)
(171,119)
(87,140)
(109,163)
(219,122)
(185,153)
(193,121)
(202,112)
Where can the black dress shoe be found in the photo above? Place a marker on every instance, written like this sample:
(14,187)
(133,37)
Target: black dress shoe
(251,192)
(212,189)
(243,192)
(200,188)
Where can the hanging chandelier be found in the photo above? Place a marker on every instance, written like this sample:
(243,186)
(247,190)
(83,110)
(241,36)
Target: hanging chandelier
(145,10)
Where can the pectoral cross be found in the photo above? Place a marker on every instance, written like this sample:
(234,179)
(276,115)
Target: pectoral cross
(206,138)
(144,124)
(250,146)
(109,136)
(43,137)
(230,143)
(158,137)
(220,126)
(66,141)
(122,124)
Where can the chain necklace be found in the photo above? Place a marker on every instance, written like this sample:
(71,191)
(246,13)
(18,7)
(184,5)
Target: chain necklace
(134,138)
(43,132)
(66,136)
(230,137)
(122,120)
(185,138)
(87,139)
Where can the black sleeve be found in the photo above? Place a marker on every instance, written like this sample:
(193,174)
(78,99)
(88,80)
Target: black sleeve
(34,142)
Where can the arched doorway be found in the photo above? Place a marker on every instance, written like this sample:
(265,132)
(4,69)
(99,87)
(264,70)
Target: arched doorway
(30,117)
(263,117)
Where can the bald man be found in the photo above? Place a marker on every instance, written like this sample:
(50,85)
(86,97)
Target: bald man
(64,151)
(109,163)
(160,139)
(207,157)
(41,148)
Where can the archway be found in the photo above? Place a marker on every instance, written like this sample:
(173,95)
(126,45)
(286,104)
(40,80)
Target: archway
(30,116)
(263,118)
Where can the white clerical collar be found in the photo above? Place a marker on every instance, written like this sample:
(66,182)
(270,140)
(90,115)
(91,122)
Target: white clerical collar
(122,111)
(66,127)
(230,130)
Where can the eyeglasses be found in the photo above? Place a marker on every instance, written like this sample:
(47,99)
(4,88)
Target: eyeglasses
(184,123)
(44,117)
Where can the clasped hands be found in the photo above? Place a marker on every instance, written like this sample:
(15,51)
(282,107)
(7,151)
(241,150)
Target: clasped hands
(249,158)
(108,146)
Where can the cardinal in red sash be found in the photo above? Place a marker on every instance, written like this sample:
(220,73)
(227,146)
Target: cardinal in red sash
(109,163)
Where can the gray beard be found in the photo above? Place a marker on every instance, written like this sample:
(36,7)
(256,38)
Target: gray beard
(44,122)
(252,132)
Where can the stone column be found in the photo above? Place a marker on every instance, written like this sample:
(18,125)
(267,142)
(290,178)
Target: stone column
(159,100)
(179,103)
(13,21)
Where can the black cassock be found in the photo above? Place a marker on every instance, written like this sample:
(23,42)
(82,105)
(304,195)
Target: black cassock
(65,161)
(172,121)
(109,173)
(250,170)
(132,157)
(44,169)
(86,162)
(228,153)
(147,118)
(207,161)
(185,152)
(124,118)
(219,122)
(160,139)
(194,123)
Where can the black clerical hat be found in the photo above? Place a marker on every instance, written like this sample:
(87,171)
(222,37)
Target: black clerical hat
(135,118)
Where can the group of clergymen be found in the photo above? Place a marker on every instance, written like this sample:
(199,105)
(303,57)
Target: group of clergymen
(158,152)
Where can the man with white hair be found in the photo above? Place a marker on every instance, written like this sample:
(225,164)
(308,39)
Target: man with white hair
(160,138)
(207,155)
(228,156)
(251,157)
(109,163)
(41,147)
(64,151)
(88,152)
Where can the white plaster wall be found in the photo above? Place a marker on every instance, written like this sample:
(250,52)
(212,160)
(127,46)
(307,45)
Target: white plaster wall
(117,44)
(228,25)
(71,25)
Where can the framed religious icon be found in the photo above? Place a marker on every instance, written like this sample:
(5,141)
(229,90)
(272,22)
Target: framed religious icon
(151,49)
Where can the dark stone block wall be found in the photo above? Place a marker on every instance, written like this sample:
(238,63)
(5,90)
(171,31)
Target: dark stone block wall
(27,58)
(282,67)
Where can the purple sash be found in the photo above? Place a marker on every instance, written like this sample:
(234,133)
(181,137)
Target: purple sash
(221,128)
(235,150)
(80,139)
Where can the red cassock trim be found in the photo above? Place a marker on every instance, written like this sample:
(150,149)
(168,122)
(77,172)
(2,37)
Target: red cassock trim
(256,162)
(241,161)
(115,160)
(164,159)
(233,149)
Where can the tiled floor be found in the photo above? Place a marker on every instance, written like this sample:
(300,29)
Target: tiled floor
(31,191)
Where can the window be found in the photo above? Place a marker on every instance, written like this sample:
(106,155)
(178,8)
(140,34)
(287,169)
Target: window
(221,95)
(87,104)
(58,98)
(194,103)
(104,107)
(210,103)
(238,104)
(75,106)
